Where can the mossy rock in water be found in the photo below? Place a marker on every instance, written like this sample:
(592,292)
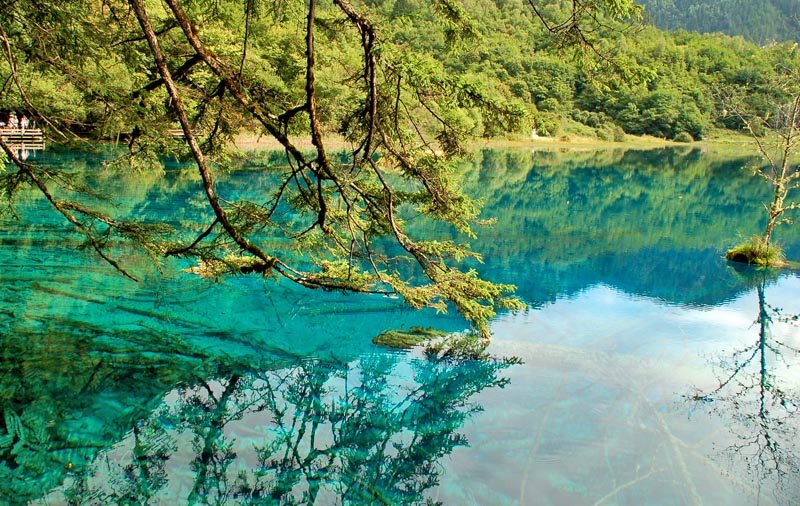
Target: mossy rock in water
(757,252)
(405,339)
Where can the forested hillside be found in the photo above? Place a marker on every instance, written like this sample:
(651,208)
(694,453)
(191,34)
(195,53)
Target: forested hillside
(759,21)
(633,79)
(641,80)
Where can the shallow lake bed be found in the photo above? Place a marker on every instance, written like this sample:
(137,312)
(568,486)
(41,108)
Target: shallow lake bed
(653,371)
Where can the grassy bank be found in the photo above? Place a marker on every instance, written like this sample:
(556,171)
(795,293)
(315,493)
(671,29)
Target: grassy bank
(720,141)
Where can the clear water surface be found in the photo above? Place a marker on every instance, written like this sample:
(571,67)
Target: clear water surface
(653,371)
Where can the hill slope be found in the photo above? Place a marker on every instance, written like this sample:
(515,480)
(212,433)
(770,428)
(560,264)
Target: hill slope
(761,21)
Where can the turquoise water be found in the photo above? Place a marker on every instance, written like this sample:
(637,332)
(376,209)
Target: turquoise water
(653,371)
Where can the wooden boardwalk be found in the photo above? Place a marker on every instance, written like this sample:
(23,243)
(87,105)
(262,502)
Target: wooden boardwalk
(23,138)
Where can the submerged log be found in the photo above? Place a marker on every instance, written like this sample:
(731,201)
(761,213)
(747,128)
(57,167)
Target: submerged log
(405,339)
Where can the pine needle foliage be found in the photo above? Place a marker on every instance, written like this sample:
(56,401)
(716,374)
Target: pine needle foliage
(183,78)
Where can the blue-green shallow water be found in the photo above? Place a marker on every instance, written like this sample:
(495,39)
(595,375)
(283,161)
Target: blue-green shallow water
(180,390)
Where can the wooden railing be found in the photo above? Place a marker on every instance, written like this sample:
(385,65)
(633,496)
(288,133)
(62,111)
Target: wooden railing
(23,138)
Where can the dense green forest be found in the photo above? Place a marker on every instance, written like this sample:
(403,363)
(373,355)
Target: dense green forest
(674,85)
(636,79)
(759,21)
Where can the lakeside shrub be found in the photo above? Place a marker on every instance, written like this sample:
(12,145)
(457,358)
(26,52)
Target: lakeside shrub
(756,252)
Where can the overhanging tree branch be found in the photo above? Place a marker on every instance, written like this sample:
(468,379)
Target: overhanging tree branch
(208,183)
(64,209)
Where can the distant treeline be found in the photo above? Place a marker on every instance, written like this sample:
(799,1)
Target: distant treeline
(640,80)
(630,79)
(761,21)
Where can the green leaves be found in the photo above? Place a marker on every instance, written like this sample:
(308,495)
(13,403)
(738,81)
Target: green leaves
(457,23)
(619,8)
(403,88)
(476,299)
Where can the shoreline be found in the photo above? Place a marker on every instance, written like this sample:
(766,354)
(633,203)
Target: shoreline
(255,142)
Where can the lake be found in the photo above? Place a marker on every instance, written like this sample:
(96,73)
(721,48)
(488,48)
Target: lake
(652,371)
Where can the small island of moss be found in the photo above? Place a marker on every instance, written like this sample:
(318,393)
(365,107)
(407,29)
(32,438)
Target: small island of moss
(405,339)
(758,252)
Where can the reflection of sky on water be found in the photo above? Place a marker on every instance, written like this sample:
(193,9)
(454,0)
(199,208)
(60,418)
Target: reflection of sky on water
(604,313)
(596,414)
(604,417)
(315,432)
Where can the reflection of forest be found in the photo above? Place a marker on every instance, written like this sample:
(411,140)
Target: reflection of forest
(97,368)
(648,222)
(106,419)
(758,396)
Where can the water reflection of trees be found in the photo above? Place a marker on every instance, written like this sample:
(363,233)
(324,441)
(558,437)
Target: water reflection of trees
(370,431)
(624,218)
(759,399)
(68,389)
(325,433)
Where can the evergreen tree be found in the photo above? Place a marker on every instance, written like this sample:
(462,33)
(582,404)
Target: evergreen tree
(283,69)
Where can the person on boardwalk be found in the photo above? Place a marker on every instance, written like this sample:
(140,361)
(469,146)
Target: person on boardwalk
(13,122)
(23,122)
